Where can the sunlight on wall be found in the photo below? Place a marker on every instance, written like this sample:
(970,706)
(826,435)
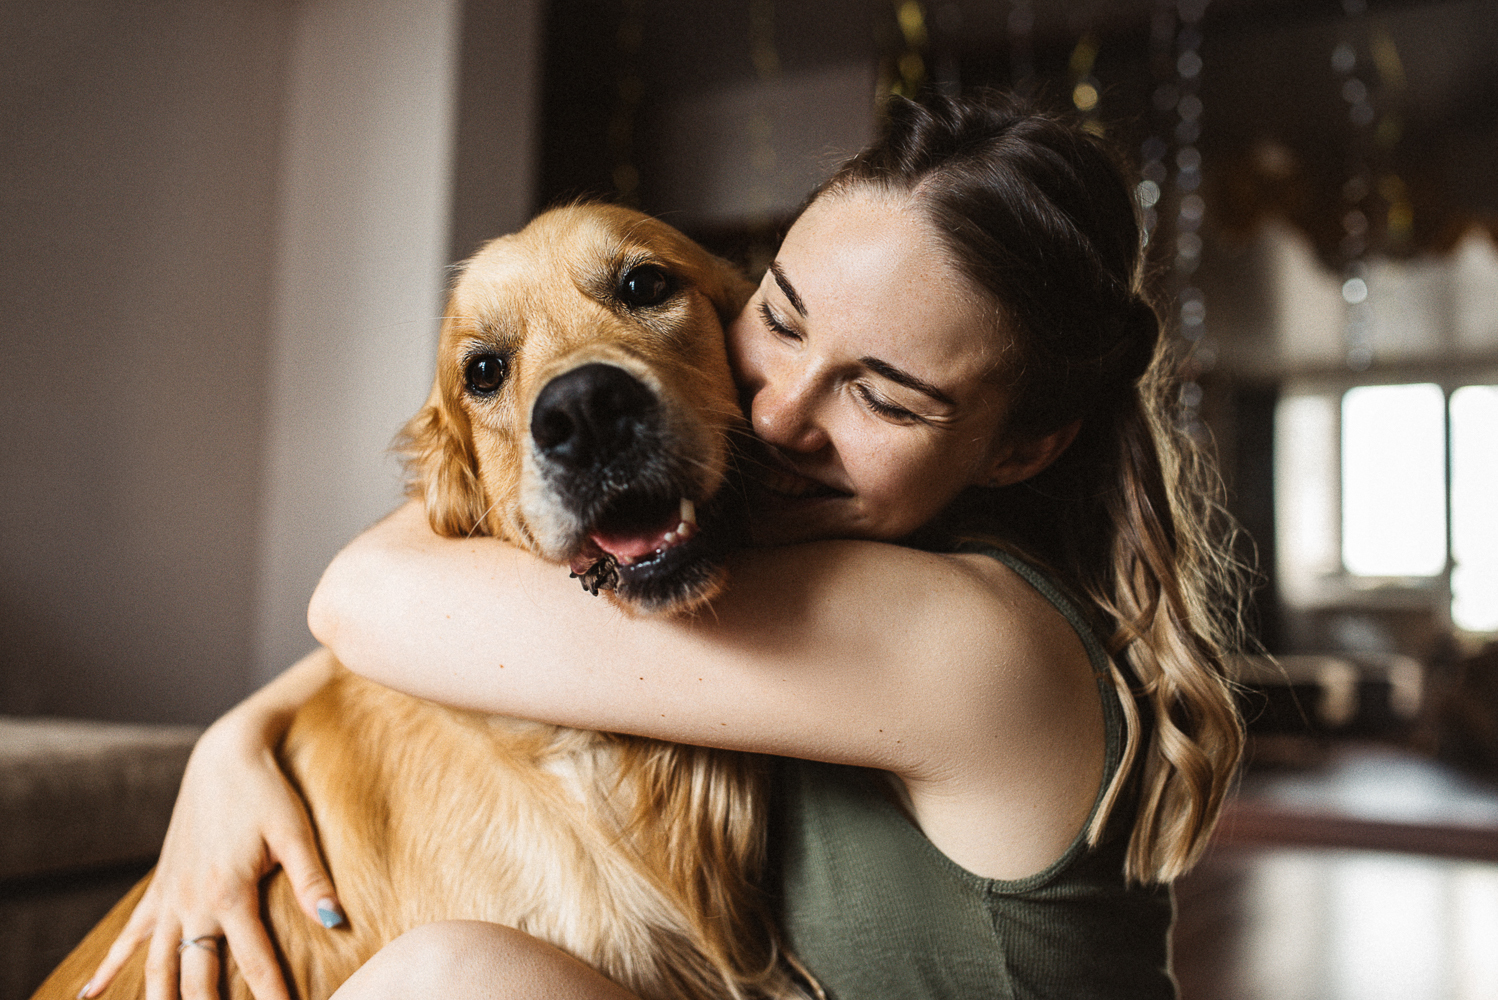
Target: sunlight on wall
(1429,308)
(1306,487)
(1474,283)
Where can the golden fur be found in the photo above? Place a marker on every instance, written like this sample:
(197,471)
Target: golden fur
(639,857)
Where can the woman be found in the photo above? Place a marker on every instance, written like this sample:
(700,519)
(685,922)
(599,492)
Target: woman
(951,353)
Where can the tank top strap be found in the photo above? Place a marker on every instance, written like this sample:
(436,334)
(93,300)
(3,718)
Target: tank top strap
(1059,596)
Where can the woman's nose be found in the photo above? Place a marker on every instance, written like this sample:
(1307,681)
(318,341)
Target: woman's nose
(785,413)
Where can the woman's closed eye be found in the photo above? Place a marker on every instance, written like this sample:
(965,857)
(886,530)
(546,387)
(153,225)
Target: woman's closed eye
(775,323)
(886,409)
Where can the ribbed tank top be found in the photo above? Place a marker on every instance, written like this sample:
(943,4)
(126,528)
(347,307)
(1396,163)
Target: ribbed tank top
(876,912)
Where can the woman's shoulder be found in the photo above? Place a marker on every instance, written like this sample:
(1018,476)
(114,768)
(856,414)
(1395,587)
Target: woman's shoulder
(982,575)
(943,610)
(963,639)
(982,677)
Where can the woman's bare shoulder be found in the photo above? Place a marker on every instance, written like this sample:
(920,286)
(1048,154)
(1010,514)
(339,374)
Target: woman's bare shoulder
(960,642)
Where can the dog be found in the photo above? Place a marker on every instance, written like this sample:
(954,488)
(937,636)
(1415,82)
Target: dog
(582,408)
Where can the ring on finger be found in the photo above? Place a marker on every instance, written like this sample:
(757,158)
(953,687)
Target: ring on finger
(208,942)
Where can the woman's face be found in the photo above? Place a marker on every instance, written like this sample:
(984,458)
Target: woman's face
(861,363)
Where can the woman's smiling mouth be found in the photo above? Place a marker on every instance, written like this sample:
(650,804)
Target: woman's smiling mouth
(794,486)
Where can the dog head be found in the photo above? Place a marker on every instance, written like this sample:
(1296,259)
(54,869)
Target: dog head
(583,406)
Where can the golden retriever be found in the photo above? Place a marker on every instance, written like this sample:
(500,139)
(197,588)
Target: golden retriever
(583,408)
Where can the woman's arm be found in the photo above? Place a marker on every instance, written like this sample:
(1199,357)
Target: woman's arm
(235,819)
(854,652)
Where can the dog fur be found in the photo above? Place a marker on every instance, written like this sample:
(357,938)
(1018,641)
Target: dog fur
(639,857)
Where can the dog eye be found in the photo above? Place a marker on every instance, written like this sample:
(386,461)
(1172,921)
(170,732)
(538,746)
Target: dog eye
(485,373)
(646,285)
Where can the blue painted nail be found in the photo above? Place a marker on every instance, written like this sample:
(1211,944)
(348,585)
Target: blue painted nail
(328,913)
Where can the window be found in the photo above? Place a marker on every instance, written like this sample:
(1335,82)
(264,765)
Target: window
(1394,480)
(1388,494)
(1474,508)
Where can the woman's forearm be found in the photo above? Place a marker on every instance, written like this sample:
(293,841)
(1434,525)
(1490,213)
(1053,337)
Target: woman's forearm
(790,659)
(264,716)
(407,608)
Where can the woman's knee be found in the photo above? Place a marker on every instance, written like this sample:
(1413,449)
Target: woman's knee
(462,958)
(429,957)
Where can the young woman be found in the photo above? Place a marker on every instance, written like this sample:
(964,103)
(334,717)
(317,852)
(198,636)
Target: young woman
(985,627)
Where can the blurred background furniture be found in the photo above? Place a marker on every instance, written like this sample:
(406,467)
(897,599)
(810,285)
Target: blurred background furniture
(83,809)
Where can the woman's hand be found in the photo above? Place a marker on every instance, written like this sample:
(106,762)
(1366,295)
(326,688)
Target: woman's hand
(236,819)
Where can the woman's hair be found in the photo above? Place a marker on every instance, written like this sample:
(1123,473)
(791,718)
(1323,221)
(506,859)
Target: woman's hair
(1037,213)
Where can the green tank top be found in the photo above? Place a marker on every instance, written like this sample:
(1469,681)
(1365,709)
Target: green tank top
(876,912)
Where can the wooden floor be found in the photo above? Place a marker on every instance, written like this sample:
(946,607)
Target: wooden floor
(1321,887)
(1317,924)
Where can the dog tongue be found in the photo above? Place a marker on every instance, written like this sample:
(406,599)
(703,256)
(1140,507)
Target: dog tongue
(632,546)
(628,543)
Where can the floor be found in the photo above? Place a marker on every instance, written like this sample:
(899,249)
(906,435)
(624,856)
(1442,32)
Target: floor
(1317,924)
(1373,874)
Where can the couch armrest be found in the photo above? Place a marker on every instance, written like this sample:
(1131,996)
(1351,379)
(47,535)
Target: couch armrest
(78,794)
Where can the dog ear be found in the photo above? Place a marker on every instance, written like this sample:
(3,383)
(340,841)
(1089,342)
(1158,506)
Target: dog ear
(441,467)
(725,287)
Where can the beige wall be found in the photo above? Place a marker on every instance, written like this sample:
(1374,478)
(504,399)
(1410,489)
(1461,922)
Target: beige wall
(225,231)
(361,228)
(367,206)
(139,148)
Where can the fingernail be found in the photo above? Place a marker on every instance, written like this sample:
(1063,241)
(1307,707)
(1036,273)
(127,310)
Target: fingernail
(86,987)
(328,913)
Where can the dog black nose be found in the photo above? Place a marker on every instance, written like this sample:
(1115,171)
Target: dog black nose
(589,414)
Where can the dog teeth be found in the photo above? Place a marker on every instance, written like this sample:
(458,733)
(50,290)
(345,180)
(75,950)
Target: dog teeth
(683,531)
(688,512)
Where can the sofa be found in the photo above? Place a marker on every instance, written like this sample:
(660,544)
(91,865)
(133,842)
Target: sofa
(84,806)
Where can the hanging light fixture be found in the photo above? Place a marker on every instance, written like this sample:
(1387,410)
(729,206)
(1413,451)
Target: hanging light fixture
(1171,181)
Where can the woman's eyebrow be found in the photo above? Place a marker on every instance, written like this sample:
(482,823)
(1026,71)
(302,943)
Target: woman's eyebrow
(785,286)
(906,379)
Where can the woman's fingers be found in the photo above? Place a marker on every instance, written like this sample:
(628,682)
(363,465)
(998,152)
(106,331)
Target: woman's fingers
(253,953)
(198,960)
(162,976)
(297,852)
(191,971)
(138,928)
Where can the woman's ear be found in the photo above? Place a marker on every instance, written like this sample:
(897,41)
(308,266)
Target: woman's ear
(1018,461)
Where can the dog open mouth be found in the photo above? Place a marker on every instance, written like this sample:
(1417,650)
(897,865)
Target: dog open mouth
(654,551)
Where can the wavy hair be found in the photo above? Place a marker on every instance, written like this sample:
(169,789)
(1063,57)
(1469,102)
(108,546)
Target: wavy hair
(1038,213)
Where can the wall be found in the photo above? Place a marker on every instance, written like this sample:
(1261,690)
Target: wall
(361,243)
(139,177)
(366,213)
(227,228)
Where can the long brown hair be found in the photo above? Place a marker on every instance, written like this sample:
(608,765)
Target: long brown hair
(1037,212)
